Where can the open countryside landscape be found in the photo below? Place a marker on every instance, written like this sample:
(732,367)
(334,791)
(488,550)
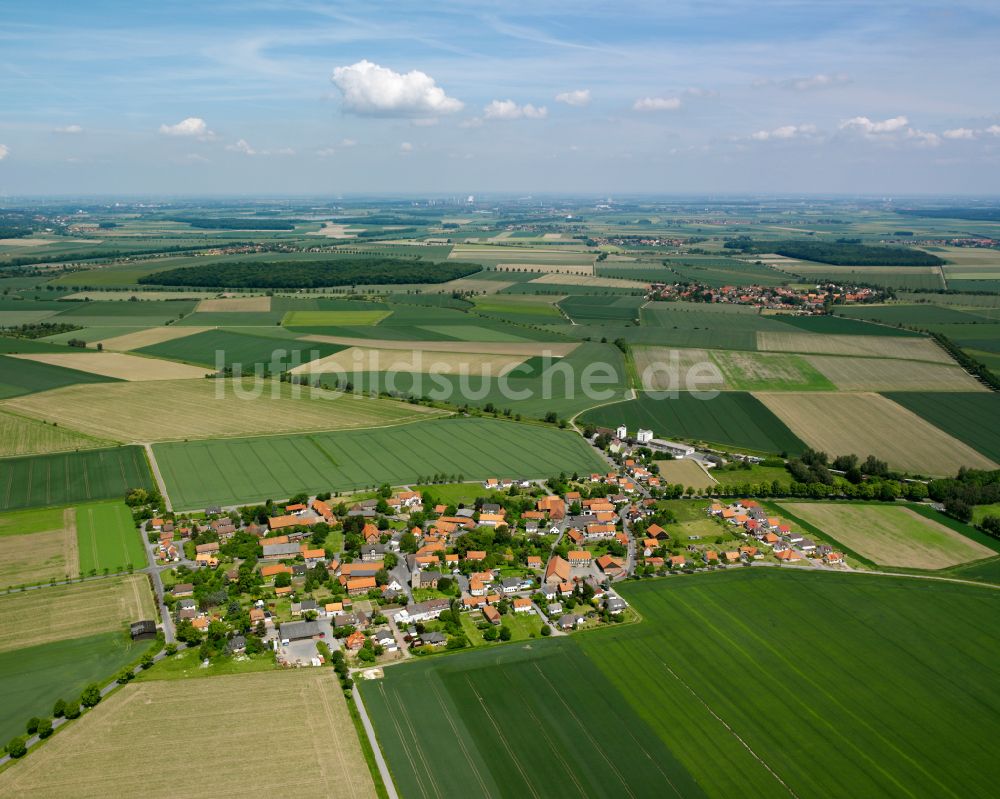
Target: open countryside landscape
(528,402)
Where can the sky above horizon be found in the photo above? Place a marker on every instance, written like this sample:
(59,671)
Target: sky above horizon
(225,98)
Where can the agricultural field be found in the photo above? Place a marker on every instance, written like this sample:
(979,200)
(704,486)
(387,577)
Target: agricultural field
(675,669)
(756,371)
(37,546)
(685,472)
(598,310)
(34,677)
(107,538)
(668,369)
(86,759)
(903,347)
(332,318)
(54,613)
(20,435)
(971,418)
(231,348)
(147,337)
(525,348)
(869,424)
(36,481)
(237,304)
(887,374)
(117,365)
(366,359)
(246,470)
(842,326)
(731,419)
(19,377)
(475,709)
(176,409)
(521,309)
(891,535)
(917,315)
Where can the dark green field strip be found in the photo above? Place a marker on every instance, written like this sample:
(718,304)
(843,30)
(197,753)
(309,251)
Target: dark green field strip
(232,318)
(732,418)
(33,678)
(153,309)
(20,376)
(572,289)
(973,418)
(213,347)
(228,471)
(65,478)
(889,683)
(589,310)
(841,326)
(515,721)
(18,345)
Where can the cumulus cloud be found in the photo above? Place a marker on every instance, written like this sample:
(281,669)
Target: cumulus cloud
(959,133)
(656,104)
(242,146)
(4,151)
(508,109)
(406,147)
(373,90)
(70,129)
(866,125)
(577,97)
(820,81)
(923,138)
(348,143)
(784,132)
(993,130)
(192,126)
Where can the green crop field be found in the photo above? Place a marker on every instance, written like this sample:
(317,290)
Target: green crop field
(595,310)
(228,347)
(841,326)
(327,318)
(841,706)
(970,417)
(731,418)
(225,472)
(919,315)
(20,435)
(514,721)
(19,376)
(33,678)
(67,478)
(107,538)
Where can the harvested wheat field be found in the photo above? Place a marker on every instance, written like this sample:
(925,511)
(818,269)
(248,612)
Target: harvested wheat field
(587,280)
(464,284)
(20,435)
(118,365)
(149,337)
(869,424)
(41,556)
(886,374)
(176,409)
(235,304)
(686,473)
(669,368)
(53,613)
(368,359)
(526,348)
(891,535)
(911,349)
(226,719)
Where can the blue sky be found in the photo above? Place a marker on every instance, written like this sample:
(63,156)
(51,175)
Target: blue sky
(228,98)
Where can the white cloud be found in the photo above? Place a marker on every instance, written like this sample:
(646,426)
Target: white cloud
(192,126)
(959,133)
(508,109)
(865,125)
(923,138)
(577,97)
(348,143)
(70,129)
(4,151)
(993,130)
(784,132)
(656,104)
(406,147)
(821,81)
(242,146)
(374,90)
(323,152)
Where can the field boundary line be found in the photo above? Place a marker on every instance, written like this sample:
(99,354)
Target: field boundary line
(155,468)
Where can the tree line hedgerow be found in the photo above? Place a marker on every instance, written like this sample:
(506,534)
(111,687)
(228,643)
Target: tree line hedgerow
(838,253)
(311,274)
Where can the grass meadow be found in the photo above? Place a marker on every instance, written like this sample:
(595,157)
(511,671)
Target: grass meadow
(228,471)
